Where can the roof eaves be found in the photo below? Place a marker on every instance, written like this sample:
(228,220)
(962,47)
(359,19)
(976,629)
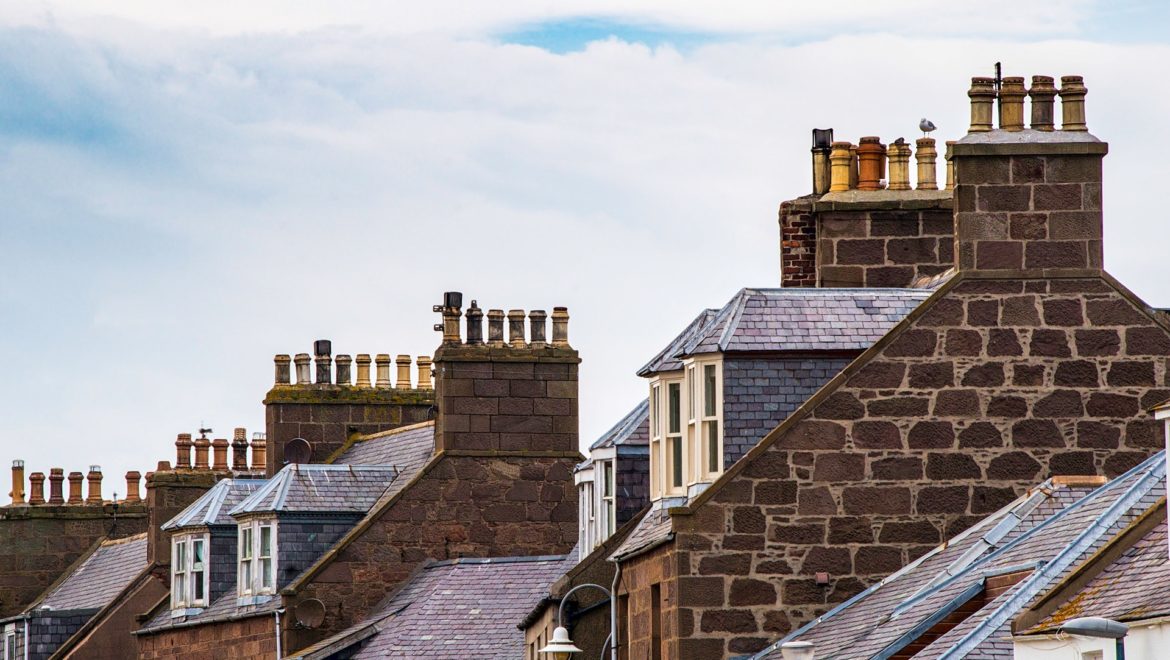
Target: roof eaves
(736,314)
(1042,577)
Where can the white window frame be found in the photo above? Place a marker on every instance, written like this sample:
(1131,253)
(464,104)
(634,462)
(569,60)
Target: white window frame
(10,644)
(708,419)
(675,447)
(585,498)
(657,454)
(183,571)
(608,523)
(250,570)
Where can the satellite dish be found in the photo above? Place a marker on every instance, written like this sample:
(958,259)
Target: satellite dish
(310,613)
(298,450)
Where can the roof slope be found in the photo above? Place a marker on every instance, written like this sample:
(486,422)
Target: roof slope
(805,319)
(445,611)
(1135,586)
(310,488)
(101,576)
(213,506)
(406,448)
(633,429)
(665,360)
(1048,537)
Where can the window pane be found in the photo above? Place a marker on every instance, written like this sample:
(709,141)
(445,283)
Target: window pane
(197,553)
(180,555)
(246,543)
(691,389)
(676,460)
(608,479)
(655,413)
(246,576)
(709,390)
(712,446)
(197,584)
(266,541)
(180,590)
(266,572)
(673,412)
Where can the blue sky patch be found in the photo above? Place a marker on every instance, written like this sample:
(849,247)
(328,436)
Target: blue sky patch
(572,35)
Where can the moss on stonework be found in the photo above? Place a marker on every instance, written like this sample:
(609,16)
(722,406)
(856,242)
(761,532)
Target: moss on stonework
(347,394)
(485,353)
(72,511)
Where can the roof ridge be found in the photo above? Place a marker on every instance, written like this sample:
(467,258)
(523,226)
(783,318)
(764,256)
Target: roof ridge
(124,539)
(729,328)
(481,561)
(394,431)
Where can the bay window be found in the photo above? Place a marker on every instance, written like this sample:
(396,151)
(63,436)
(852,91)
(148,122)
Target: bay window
(257,558)
(656,441)
(710,434)
(675,453)
(609,504)
(189,573)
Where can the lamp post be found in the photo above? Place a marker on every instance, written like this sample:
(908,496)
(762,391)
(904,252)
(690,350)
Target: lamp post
(1095,626)
(560,646)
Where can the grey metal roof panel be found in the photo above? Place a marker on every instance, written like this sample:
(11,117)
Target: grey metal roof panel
(101,576)
(316,488)
(442,611)
(633,429)
(213,506)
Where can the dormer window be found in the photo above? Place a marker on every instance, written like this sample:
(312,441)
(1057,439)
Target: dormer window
(686,428)
(189,575)
(710,432)
(257,553)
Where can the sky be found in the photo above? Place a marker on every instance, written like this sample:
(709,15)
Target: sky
(188,189)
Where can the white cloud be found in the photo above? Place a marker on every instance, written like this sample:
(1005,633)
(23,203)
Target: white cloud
(182,206)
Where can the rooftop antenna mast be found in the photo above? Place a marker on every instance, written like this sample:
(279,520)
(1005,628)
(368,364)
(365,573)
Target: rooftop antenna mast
(998,76)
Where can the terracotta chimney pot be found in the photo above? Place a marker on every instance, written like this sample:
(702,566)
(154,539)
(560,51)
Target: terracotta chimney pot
(927,157)
(283,376)
(403,380)
(36,488)
(382,363)
(302,361)
(133,494)
(323,348)
(17,493)
(840,162)
(75,479)
(259,452)
(240,449)
(560,327)
(183,451)
(1043,95)
(982,94)
(363,369)
(537,322)
(344,373)
(853,168)
(1011,104)
(95,485)
(950,166)
(495,327)
(219,451)
(870,154)
(202,445)
(1072,103)
(516,328)
(899,155)
(474,324)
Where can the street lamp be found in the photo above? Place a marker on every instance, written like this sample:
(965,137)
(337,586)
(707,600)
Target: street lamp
(1095,626)
(560,646)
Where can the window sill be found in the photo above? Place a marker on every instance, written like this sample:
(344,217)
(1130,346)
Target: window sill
(245,601)
(185,611)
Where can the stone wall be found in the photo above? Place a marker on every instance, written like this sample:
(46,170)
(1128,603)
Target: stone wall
(248,639)
(459,506)
(38,543)
(109,635)
(990,387)
(887,241)
(760,393)
(646,579)
(327,415)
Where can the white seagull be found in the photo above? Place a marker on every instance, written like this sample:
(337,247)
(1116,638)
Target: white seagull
(926,125)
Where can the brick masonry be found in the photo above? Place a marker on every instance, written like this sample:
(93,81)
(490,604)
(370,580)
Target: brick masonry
(881,243)
(327,415)
(38,543)
(247,639)
(991,387)
(760,393)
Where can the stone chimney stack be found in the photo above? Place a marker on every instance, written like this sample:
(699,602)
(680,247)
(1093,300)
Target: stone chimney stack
(514,397)
(95,485)
(1029,200)
(168,492)
(17,493)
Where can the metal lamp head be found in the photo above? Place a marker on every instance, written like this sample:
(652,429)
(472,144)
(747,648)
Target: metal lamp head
(1095,626)
(560,646)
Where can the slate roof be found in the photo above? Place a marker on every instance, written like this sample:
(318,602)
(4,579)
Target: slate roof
(406,448)
(1051,530)
(305,488)
(666,360)
(100,577)
(633,429)
(462,608)
(213,506)
(804,320)
(1135,586)
(223,609)
(653,528)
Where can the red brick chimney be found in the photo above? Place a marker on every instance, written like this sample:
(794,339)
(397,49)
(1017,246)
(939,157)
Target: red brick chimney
(505,397)
(1029,200)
